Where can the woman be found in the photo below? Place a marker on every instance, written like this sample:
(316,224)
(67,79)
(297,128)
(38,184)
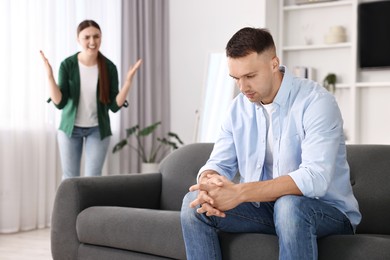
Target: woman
(87,88)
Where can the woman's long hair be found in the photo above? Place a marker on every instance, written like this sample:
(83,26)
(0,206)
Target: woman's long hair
(104,84)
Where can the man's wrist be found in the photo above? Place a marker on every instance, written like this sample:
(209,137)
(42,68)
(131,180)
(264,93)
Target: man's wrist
(204,173)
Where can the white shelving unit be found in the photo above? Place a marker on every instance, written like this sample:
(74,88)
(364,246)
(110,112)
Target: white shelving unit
(301,38)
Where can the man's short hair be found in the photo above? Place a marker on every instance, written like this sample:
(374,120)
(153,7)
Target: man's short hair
(248,40)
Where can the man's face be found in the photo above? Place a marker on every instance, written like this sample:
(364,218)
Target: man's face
(254,75)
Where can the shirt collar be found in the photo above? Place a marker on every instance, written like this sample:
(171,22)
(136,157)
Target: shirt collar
(285,88)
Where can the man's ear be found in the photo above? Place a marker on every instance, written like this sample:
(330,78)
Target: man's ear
(275,63)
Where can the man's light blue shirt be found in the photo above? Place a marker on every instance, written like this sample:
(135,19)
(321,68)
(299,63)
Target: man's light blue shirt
(308,143)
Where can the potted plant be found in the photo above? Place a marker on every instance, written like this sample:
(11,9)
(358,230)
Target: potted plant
(160,145)
(330,82)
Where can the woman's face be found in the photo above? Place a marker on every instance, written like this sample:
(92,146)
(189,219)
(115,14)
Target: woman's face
(90,39)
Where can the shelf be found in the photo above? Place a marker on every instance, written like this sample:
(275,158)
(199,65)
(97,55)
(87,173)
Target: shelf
(372,84)
(364,85)
(342,85)
(316,5)
(297,23)
(317,46)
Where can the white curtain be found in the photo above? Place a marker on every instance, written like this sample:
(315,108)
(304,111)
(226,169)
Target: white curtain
(219,86)
(29,165)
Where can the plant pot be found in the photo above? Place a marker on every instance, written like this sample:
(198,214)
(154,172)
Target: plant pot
(149,167)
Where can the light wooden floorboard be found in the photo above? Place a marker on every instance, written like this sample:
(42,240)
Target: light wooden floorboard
(31,245)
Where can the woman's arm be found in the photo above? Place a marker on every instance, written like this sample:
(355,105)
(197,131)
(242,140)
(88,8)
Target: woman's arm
(55,93)
(121,97)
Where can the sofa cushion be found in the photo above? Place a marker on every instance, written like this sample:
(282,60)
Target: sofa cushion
(354,247)
(90,252)
(248,246)
(179,172)
(370,178)
(335,247)
(155,232)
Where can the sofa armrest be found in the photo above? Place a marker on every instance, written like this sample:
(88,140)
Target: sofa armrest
(76,194)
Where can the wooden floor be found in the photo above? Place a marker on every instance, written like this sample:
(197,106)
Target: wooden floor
(31,245)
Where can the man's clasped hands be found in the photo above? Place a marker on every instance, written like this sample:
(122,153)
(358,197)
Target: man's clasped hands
(216,194)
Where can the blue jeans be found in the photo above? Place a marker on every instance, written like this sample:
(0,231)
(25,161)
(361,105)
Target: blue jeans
(297,221)
(71,149)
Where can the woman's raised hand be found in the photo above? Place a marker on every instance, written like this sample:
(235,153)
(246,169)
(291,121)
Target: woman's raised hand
(55,93)
(48,68)
(132,70)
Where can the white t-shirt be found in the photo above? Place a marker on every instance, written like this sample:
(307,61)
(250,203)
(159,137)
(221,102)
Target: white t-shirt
(269,157)
(87,108)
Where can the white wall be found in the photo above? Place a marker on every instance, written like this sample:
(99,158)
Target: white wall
(197,28)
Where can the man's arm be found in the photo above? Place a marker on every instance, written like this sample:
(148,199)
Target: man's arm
(218,194)
(269,190)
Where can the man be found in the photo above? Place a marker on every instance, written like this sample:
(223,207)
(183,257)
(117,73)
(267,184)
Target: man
(284,135)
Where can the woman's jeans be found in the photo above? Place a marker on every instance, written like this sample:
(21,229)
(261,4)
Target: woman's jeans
(71,149)
(297,221)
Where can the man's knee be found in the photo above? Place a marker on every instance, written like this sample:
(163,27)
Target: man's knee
(289,212)
(288,203)
(186,210)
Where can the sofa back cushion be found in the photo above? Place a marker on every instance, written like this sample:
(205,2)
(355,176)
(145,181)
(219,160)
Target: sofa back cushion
(179,171)
(370,178)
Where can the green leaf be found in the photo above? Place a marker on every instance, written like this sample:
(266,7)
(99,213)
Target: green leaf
(170,134)
(119,145)
(167,142)
(132,130)
(149,129)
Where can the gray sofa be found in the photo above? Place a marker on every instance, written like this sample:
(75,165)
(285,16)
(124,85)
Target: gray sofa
(136,216)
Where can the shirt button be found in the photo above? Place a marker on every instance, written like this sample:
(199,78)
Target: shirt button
(258,166)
